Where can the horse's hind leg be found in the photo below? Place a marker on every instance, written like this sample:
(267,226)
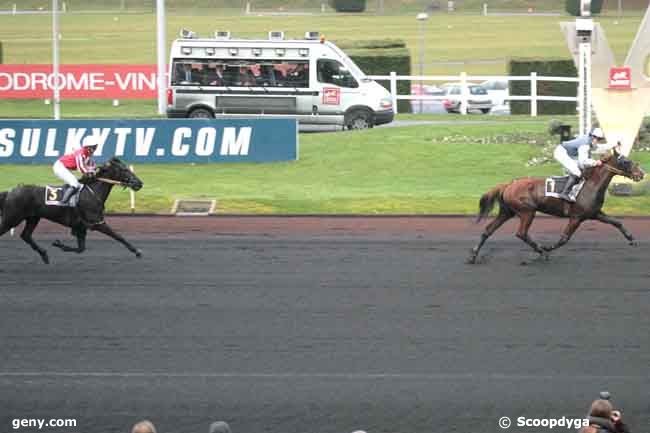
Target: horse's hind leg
(525,221)
(504,215)
(26,235)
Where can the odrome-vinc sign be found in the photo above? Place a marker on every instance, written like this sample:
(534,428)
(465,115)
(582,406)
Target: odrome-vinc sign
(79,81)
(152,141)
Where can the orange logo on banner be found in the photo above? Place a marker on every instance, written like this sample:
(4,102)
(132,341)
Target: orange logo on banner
(331,95)
(620,78)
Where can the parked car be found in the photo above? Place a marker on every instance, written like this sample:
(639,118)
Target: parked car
(429,106)
(497,89)
(499,93)
(478,98)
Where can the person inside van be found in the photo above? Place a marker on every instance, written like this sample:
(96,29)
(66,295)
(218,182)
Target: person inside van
(246,77)
(214,75)
(268,75)
(184,72)
(299,77)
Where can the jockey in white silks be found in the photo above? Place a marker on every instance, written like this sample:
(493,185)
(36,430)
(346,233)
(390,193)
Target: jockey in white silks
(575,156)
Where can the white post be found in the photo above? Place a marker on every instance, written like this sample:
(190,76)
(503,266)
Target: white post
(421,17)
(584,90)
(584,27)
(13,9)
(64,7)
(393,89)
(322,8)
(132,193)
(55,59)
(248,8)
(161,43)
(463,92)
(484,9)
(533,94)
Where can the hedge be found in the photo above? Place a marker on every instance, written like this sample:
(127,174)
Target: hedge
(546,67)
(348,5)
(573,7)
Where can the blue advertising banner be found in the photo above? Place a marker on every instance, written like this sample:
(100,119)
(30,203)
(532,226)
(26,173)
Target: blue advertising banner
(152,141)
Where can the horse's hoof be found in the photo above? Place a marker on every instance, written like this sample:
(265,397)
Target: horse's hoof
(57,243)
(471,261)
(45,258)
(138,254)
(634,243)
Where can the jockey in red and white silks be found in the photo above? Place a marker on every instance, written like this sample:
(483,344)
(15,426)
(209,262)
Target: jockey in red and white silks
(80,159)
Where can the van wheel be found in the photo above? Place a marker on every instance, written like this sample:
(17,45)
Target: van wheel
(201,113)
(485,110)
(359,119)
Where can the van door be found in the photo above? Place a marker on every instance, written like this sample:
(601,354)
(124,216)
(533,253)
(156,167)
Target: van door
(336,88)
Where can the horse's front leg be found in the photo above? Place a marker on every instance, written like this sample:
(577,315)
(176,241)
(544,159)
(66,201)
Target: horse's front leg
(81,242)
(602,217)
(108,231)
(570,229)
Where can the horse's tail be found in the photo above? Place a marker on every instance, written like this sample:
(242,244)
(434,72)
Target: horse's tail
(489,199)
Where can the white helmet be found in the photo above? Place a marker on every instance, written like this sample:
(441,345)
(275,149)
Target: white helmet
(598,133)
(89,141)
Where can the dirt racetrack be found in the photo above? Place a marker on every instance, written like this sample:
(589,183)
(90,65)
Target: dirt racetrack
(306,324)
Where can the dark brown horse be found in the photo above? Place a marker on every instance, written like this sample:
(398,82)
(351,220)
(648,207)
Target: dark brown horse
(27,203)
(525,197)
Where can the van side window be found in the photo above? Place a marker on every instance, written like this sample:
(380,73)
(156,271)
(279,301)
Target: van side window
(332,72)
(240,73)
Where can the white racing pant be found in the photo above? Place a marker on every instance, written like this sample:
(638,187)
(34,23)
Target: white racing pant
(571,165)
(64,174)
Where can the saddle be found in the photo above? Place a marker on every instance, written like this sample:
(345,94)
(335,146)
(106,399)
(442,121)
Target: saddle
(555,185)
(54,195)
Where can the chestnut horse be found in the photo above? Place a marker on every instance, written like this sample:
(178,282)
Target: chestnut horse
(524,197)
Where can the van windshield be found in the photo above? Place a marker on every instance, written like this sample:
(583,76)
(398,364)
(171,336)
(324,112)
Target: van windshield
(240,73)
(332,72)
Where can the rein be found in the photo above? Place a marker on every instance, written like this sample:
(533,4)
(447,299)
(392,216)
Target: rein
(111,181)
(615,170)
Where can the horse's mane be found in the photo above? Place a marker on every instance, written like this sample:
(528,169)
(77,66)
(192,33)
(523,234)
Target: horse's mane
(589,171)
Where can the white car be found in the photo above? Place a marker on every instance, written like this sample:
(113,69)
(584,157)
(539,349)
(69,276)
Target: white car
(498,91)
(478,98)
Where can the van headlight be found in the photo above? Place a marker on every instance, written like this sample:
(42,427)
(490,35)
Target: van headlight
(386,103)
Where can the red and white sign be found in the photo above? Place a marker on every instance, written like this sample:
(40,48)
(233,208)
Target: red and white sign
(79,81)
(331,96)
(620,78)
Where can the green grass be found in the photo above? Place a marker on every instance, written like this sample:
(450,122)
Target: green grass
(379,171)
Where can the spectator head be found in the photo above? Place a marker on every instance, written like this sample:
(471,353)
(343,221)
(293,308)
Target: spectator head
(144,426)
(220,427)
(601,409)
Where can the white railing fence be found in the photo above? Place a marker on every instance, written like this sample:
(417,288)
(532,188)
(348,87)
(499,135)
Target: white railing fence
(464,79)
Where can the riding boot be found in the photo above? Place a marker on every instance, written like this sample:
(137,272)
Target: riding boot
(570,183)
(68,193)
